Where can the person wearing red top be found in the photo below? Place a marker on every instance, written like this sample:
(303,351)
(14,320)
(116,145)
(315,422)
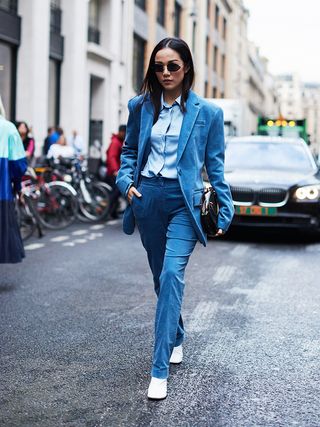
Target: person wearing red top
(113,165)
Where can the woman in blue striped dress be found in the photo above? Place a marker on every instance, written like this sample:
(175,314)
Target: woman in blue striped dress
(13,165)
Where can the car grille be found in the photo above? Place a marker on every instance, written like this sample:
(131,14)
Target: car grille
(272,195)
(242,194)
(258,196)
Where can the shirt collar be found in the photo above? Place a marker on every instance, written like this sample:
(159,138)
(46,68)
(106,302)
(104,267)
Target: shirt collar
(165,105)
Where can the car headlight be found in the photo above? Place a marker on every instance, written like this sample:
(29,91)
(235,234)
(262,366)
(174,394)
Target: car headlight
(307,193)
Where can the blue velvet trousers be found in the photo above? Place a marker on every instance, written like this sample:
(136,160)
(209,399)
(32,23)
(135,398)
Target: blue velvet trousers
(169,238)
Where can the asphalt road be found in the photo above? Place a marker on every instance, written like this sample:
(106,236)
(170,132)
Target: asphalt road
(76,333)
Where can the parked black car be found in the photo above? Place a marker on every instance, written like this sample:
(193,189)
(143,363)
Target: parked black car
(274,181)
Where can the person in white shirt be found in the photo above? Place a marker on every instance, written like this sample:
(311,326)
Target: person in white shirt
(76,142)
(61,149)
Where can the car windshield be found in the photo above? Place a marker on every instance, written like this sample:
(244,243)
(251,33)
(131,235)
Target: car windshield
(267,155)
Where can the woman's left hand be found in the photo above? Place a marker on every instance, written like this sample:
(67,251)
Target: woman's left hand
(220,232)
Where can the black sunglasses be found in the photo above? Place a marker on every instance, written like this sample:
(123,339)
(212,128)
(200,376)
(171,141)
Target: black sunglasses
(172,67)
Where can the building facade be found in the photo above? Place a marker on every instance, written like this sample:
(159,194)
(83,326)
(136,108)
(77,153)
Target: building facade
(10,38)
(64,62)
(289,91)
(311,111)
(75,63)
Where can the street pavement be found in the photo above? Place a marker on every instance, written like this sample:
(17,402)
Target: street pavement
(76,333)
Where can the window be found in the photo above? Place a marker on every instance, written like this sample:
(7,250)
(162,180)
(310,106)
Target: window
(223,66)
(194,28)
(141,4)
(214,92)
(206,86)
(93,28)
(224,29)
(138,62)
(161,12)
(177,19)
(207,50)
(7,77)
(9,6)
(208,9)
(216,17)
(54,93)
(215,58)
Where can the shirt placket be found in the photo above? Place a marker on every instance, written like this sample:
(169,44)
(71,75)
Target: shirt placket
(165,136)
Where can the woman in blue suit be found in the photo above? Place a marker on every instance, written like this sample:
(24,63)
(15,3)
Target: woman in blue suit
(171,134)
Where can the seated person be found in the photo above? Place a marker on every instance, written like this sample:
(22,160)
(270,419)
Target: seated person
(61,149)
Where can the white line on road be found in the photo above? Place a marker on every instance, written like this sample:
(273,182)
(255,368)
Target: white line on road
(202,316)
(239,250)
(91,237)
(80,241)
(68,244)
(59,238)
(97,227)
(79,232)
(96,234)
(34,246)
(223,273)
(113,222)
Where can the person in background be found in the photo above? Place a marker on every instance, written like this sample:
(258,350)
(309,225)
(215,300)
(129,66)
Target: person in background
(28,141)
(48,140)
(13,164)
(60,148)
(113,165)
(76,141)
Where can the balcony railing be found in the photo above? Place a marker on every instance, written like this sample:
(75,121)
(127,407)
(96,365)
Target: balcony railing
(93,35)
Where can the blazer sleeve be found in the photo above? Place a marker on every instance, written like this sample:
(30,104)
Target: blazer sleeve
(128,160)
(214,162)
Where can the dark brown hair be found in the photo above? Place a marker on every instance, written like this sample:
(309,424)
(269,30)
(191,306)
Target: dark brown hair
(151,86)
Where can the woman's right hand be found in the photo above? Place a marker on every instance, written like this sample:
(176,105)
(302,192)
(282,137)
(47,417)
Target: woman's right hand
(133,191)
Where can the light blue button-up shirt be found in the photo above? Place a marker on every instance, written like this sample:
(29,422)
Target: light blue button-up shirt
(165,133)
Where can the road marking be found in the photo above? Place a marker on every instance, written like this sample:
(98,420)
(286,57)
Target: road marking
(239,250)
(223,273)
(79,232)
(97,227)
(68,244)
(80,241)
(34,246)
(96,234)
(202,316)
(113,222)
(91,237)
(59,238)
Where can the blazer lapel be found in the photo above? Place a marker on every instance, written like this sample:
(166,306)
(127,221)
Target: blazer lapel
(146,123)
(192,111)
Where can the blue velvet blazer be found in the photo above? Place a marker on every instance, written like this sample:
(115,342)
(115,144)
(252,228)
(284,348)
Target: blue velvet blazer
(201,142)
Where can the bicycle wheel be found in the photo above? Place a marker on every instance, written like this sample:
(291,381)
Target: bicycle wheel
(57,205)
(26,221)
(98,207)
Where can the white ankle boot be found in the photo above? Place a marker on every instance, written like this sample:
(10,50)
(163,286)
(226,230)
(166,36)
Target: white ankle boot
(177,355)
(157,389)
